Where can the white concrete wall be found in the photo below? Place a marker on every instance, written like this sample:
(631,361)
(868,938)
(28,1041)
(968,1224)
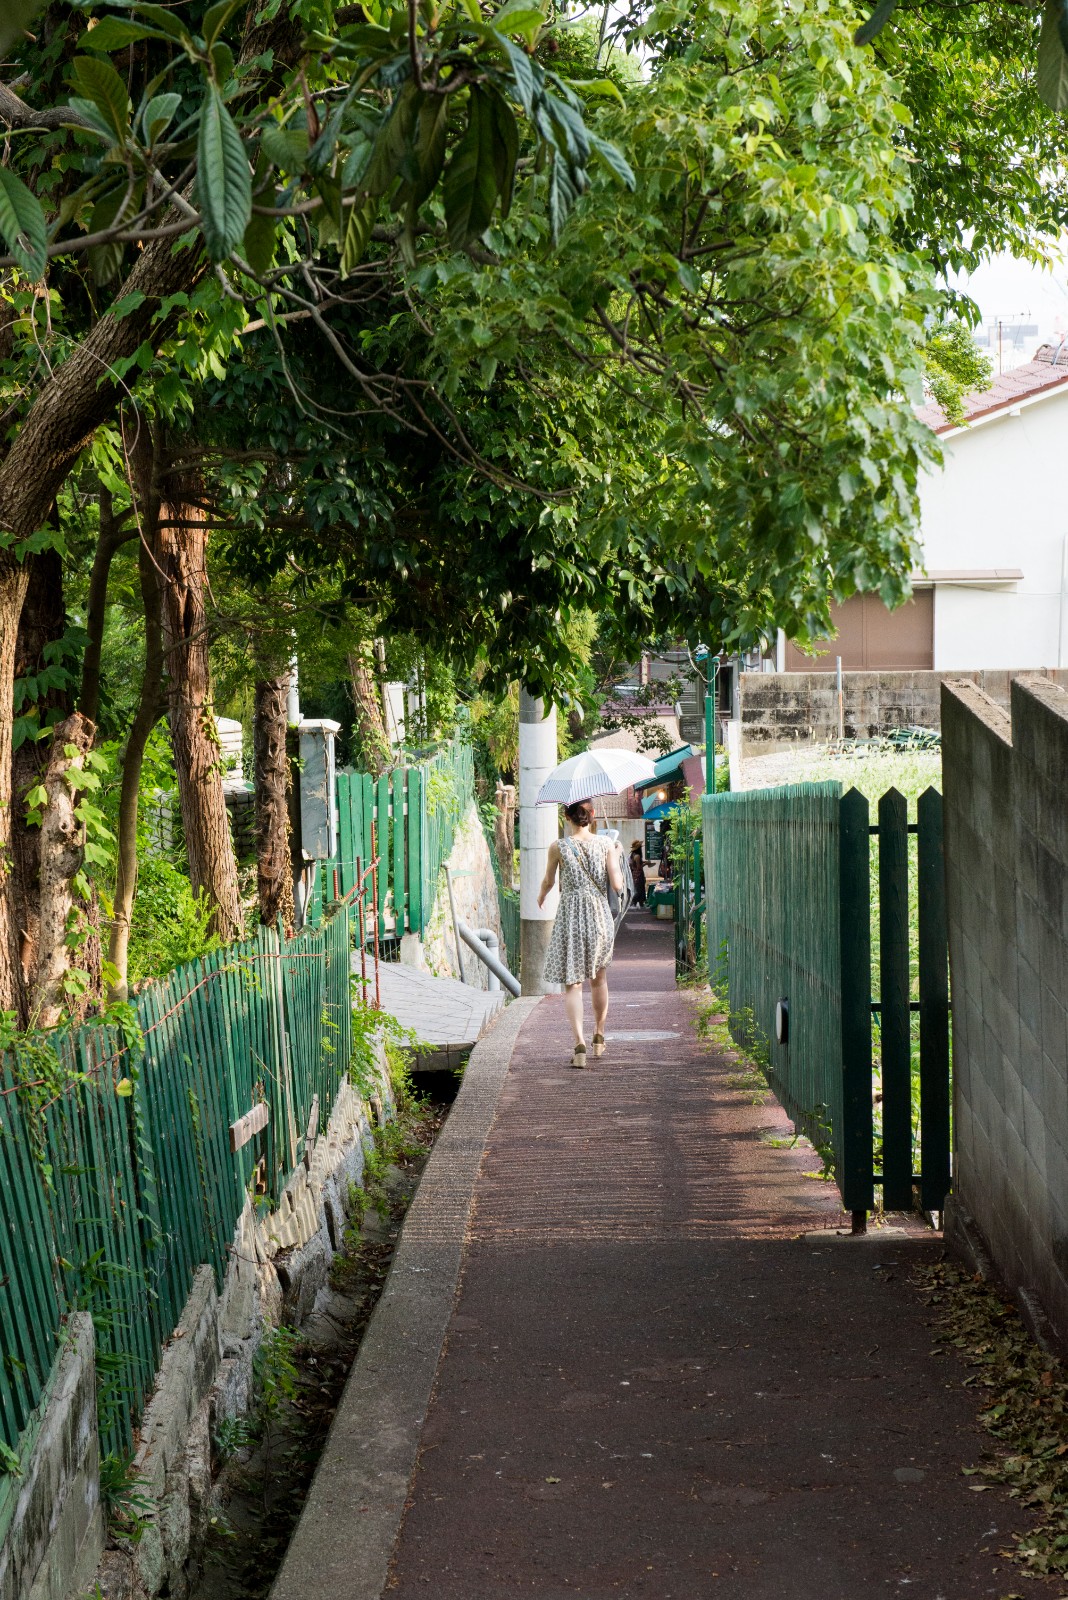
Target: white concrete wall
(1001,500)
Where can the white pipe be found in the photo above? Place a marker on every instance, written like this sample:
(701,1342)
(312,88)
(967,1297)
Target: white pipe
(1064,586)
(538,825)
(489,939)
(293,696)
(478,941)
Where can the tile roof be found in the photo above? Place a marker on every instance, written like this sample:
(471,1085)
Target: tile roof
(1048,371)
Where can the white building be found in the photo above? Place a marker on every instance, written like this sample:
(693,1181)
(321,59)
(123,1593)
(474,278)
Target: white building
(993,588)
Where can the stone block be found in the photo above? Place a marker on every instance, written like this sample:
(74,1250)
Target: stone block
(186,1375)
(302,1273)
(55,1526)
(116,1577)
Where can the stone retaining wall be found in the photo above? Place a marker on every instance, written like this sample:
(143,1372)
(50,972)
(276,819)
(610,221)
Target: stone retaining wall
(53,1531)
(1005,783)
(475,891)
(782,709)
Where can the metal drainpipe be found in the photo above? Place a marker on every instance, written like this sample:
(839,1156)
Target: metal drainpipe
(477,940)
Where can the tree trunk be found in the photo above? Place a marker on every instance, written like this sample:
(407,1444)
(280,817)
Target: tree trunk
(374,748)
(149,711)
(62,852)
(43,621)
(183,550)
(504,833)
(113,533)
(274,863)
(13,582)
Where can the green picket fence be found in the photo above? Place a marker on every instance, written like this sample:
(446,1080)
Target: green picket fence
(406,820)
(507,904)
(117,1174)
(848,993)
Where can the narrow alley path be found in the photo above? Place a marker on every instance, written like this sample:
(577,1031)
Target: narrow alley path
(666,1374)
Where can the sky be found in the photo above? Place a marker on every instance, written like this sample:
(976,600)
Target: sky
(1019,296)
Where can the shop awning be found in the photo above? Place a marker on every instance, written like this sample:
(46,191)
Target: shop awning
(669,768)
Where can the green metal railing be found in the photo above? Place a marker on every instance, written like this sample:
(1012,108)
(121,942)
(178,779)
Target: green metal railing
(792,923)
(117,1172)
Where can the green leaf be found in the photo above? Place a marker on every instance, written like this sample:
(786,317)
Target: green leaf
(470,187)
(430,131)
(603,87)
(98,82)
(563,192)
(112,33)
(22,223)
(18,14)
(505,135)
(224,181)
(106,259)
(614,159)
(391,143)
(286,147)
(259,246)
(876,22)
(1052,75)
(216,17)
(519,19)
(523,72)
(167,22)
(222,63)
(157,115)
(357,234)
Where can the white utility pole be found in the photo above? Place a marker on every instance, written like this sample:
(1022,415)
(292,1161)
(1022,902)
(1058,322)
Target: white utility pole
(538,827)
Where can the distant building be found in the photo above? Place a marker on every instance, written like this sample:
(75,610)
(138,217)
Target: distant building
(993,589)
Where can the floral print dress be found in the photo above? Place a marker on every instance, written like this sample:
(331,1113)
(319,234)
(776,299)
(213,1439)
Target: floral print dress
(583,934)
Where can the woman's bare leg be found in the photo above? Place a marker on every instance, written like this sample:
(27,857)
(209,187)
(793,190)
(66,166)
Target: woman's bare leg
(599,994)
(573,1010)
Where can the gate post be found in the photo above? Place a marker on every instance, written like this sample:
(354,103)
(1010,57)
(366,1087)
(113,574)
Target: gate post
(934,1005)
(853,1142)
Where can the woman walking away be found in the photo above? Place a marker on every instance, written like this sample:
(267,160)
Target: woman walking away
(583,933)
(637,872)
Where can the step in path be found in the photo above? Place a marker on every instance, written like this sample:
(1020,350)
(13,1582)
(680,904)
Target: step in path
(628,1348)
(448,1016)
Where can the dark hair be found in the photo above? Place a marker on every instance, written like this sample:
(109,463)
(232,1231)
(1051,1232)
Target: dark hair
(580,815)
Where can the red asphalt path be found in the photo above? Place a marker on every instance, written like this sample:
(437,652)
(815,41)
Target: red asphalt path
(656,1382)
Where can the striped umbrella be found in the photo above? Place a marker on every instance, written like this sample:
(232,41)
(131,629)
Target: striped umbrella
(592,773)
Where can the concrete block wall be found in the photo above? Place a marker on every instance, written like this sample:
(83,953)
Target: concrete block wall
(779,710)
(1005,782)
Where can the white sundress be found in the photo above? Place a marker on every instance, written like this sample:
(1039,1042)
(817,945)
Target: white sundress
(583,934)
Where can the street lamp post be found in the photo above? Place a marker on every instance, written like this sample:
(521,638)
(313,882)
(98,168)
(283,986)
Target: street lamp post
(701,655)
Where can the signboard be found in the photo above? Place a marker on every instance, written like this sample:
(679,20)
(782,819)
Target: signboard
(654,841)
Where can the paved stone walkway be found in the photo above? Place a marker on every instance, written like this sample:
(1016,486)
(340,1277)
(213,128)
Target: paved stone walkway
(666,1373)
(447,1015)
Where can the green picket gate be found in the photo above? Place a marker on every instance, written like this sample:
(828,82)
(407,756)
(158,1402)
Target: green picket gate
(830,932)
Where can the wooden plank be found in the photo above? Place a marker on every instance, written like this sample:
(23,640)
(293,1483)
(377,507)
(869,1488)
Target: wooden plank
(397,809)
(356,834)
(894,1018)
(247,1127)
(346,854)
(415,849)
(853,1145)
(382,845)
(934,1006)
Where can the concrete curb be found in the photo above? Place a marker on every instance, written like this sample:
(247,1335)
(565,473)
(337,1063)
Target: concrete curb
(349,1526)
